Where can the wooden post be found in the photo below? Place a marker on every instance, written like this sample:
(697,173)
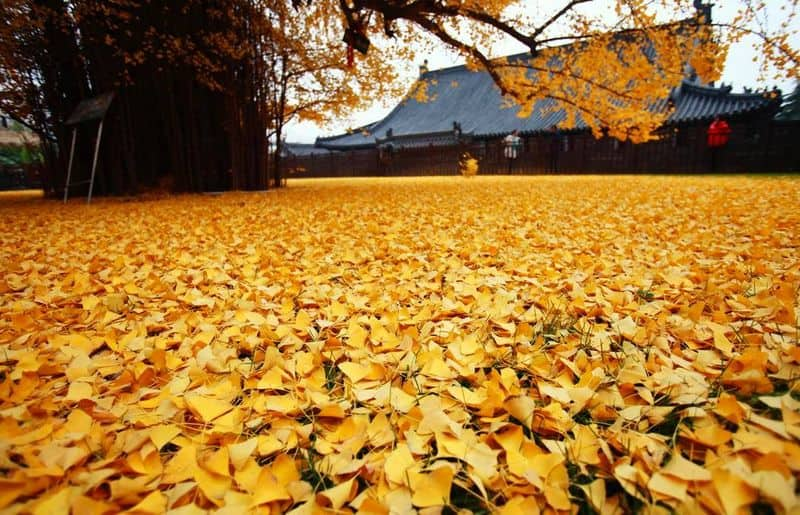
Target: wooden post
(94,161)
(69,166)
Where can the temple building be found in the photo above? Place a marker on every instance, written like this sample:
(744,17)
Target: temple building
(465,112)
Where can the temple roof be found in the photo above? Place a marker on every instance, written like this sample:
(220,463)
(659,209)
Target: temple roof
(695,102)
(472,100)
(302,149)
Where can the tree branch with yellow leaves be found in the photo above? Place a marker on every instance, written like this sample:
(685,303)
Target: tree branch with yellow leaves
(676,33)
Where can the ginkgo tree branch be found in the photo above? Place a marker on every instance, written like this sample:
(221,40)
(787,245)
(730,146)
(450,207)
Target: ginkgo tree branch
(442,34)
(415,10)
(557,16)
(492,67)
(423,14)
(320,102)
(570,102)
(579,77)
(528,41)
(769,41)
(313,69)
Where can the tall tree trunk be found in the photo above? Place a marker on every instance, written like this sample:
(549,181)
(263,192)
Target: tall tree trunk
(279,122)
(63,82)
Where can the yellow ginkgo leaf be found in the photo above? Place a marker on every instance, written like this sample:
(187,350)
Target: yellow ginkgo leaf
(733,492)
(398,463)
(206,408)
(520,506)
(217,462)
(162,434)
(181,466)
(269,489)
(155,502)
(79,391)
(57,503)
(431,488)
(240,452)
(681,468)
(213,486)
(668,486)
(339,495)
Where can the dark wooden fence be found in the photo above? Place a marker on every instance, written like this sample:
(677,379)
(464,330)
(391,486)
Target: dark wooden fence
(20,177)
(754,147)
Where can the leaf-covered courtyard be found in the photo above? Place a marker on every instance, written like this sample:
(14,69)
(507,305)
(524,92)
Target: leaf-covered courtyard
(514,344)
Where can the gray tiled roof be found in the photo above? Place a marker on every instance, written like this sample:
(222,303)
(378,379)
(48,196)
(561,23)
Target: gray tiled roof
(471,99)
(454,95)
(303,149)
(695,102)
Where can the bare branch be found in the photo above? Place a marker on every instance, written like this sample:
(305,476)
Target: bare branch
(556,17)
(793,56)
(440,33)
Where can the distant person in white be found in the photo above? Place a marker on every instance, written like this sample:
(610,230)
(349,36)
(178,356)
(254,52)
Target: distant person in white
(512,143)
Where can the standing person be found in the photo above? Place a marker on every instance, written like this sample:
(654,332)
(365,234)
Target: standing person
(718,134)
(511,143)
(555,148)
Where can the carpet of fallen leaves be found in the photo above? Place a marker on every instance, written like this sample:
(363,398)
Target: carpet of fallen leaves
(520,345)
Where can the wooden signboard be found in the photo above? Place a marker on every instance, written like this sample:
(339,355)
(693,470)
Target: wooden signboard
(87,111)
(91,109)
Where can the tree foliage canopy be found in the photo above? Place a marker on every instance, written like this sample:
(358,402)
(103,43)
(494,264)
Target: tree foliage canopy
(202,85)
(609,69)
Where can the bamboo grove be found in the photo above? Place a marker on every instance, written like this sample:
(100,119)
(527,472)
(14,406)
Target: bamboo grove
(202,87)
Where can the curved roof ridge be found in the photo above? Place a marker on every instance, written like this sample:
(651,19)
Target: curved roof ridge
(464,67)
(350,132)
(727,90)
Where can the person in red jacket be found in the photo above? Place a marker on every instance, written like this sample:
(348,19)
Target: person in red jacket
(718,135)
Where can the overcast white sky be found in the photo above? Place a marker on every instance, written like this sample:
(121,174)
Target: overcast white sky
(740,70)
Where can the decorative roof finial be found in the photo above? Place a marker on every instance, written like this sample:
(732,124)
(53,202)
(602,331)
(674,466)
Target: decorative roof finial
(703,11)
